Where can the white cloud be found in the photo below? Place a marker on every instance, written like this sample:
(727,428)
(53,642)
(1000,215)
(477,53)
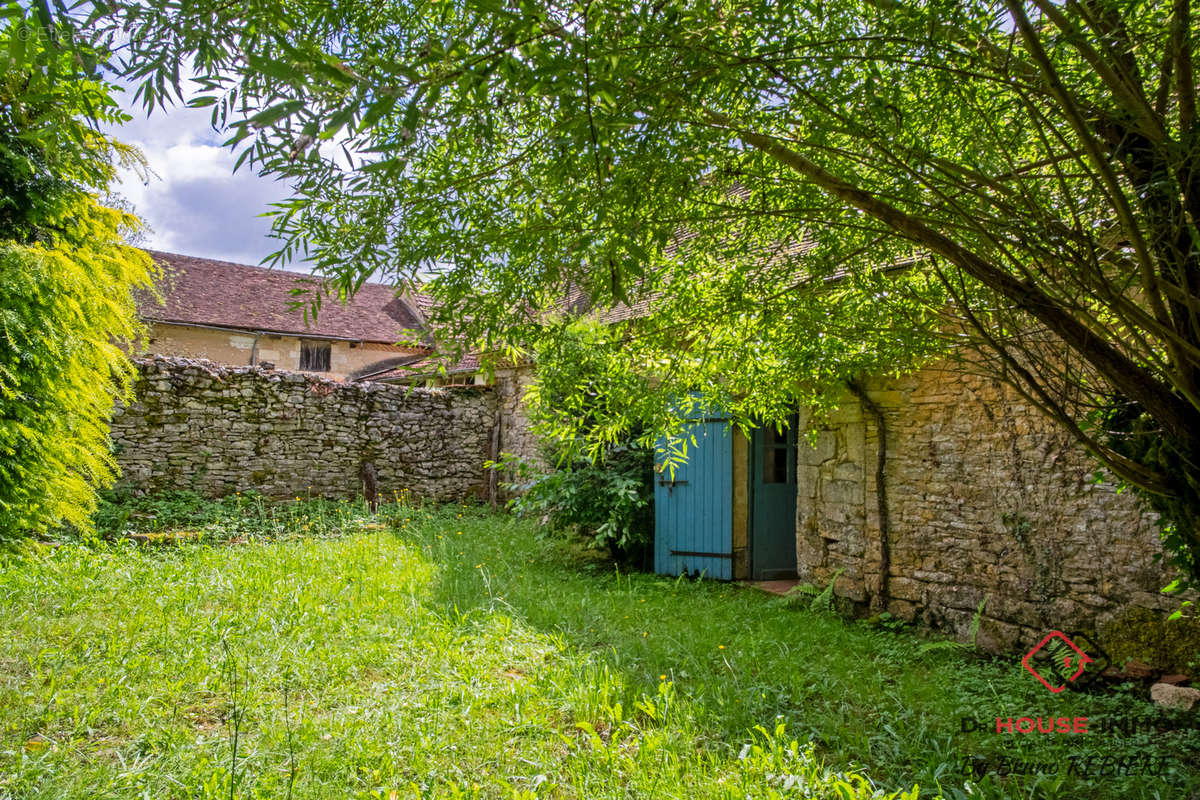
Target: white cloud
(194,203)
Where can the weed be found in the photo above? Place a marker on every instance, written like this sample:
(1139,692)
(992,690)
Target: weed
(810,597)
(949,645)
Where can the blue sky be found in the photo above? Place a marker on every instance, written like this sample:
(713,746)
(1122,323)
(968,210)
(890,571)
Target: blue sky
(194,203)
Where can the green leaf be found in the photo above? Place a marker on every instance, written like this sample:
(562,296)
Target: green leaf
(18,36)
(376,111)
(242,158)
(275,113)
(42,9)
(275,69)
(412,114)
(338,121)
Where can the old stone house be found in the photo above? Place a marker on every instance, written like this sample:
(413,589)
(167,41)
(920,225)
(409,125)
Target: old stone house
(242,315)
(941,497)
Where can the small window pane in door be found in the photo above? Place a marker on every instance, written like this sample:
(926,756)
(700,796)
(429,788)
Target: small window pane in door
(776,468)
(779,453)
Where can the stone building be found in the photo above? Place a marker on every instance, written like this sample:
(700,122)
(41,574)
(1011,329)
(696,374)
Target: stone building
(241,315)
(940,497)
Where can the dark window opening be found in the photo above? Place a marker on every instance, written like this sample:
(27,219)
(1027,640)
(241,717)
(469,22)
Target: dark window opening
(775,470)
(779,453)
(314,356)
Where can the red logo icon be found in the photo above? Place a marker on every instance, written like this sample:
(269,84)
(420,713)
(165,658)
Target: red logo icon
(1060,658)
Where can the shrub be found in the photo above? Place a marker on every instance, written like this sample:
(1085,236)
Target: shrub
(609,501)
(67,278)
(60,371)
(601,487)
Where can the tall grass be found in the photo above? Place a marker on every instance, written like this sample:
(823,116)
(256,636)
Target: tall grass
(454,653)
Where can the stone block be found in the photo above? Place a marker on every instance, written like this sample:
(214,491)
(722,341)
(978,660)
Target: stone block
(843,491)
(848,471)
(822,449)
(1168,695)
(906,589)
(902,609)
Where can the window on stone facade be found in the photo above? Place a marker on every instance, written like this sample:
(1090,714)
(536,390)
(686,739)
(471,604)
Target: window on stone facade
(314,356)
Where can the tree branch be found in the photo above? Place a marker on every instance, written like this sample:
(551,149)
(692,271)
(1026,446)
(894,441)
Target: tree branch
(1131,379)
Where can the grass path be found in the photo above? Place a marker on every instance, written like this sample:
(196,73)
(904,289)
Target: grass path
(459,654)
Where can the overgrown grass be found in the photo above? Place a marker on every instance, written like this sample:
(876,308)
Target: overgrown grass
(456,653)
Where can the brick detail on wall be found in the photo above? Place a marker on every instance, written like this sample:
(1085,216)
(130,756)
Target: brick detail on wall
(218,429)
(987,499)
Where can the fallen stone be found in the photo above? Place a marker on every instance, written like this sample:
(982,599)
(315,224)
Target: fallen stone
(1170,696)
(1134,670)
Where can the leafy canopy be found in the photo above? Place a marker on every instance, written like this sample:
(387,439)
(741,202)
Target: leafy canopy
(1028,168)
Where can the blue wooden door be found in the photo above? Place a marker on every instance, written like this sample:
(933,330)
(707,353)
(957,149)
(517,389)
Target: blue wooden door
(693,509)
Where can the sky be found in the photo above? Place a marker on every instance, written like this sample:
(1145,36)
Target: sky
(194,203)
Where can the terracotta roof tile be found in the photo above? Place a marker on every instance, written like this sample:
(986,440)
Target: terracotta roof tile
(577,302)
(428,367)
(203,291)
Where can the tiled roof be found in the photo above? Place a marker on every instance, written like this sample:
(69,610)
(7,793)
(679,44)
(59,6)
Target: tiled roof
(578,303)
(422,302)
(426,368)
(202,291)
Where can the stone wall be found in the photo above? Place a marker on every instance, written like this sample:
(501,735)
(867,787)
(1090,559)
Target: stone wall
(218,429)
(986,499)
(516,437)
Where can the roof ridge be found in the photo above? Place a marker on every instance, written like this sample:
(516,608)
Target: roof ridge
(276,270)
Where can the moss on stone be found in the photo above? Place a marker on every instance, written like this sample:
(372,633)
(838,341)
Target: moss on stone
(1146,635)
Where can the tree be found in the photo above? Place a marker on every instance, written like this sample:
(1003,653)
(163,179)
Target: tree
(67,279)
(1017,180)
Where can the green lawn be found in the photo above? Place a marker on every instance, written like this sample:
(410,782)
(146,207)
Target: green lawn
(457,653)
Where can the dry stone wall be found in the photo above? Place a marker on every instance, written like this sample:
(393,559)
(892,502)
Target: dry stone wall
(217,429)
(517,437)
(986,500)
